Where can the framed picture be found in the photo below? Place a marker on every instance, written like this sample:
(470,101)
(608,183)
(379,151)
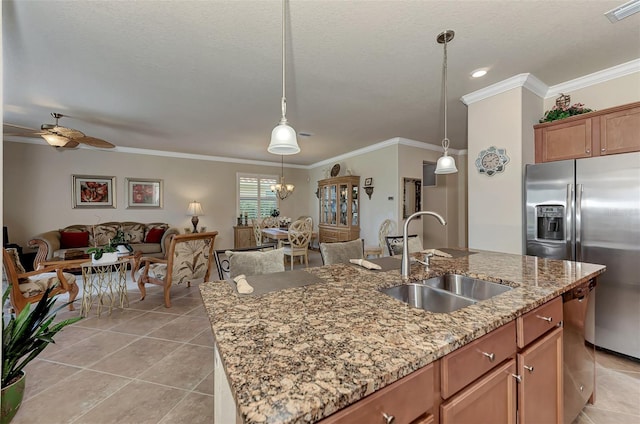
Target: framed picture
(143,193)
(92,191)
(368,182)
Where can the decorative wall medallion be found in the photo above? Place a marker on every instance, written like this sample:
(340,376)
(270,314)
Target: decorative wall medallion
(492,161)
(335,170)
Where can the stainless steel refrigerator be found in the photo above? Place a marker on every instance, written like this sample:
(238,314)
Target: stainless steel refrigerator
(588,210)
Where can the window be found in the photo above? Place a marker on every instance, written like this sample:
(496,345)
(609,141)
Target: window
(254,194)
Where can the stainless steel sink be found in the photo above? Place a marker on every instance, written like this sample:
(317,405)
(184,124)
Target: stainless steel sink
(427,298)
(467,286)
(446,293)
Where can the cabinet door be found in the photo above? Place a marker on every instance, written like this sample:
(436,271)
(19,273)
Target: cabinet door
(492,399)
(620,132)
(540,392)
(570,140)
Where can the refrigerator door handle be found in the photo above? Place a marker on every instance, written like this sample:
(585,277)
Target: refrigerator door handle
(568,218)
(578,222)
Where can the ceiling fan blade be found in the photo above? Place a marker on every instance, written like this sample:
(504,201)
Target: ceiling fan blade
(95,142)
(71,144)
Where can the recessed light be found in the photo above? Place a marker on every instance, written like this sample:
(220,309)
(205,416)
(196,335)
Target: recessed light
(478,73)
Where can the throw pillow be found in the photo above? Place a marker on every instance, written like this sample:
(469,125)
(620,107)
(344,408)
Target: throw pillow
(134,232)
(73,239)
(103,233)
(154,235)
(255,263)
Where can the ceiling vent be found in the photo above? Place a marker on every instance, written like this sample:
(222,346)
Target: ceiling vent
(623,11)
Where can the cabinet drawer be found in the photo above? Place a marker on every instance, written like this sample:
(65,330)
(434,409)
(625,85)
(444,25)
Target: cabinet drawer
(461,367)
(406,400)
(537,322)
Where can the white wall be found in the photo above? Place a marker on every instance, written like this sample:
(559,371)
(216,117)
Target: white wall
(495,202)
(37,189)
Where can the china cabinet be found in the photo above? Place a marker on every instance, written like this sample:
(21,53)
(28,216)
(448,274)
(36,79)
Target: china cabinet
(339,209)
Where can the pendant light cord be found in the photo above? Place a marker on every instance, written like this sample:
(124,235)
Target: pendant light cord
(284,46)
(445,141)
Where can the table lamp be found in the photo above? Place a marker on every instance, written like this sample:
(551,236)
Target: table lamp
(195,209)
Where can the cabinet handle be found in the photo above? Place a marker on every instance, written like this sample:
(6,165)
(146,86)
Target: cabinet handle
(388,419)
(517,377)
(603,150)
(491,356)
(588,151)
(528,368)
(548,319)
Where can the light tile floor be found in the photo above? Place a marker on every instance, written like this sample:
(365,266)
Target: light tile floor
(150,364)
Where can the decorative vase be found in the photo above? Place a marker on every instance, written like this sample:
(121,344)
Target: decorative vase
(107,258)
(12,399)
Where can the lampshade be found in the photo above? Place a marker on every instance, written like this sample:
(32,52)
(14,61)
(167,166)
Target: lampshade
(283,140)
(55,140)
(446,165)
(283,137)
(195,209)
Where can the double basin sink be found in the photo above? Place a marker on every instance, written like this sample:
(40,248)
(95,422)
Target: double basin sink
(446,293)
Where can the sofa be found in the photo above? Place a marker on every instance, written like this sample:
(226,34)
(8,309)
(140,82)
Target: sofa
(150,239)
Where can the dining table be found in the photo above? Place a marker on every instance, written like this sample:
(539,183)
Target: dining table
(280,235)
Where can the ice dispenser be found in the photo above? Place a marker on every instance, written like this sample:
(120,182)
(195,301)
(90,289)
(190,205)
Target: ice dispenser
(550,222)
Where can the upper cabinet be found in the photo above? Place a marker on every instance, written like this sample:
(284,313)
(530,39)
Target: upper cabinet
(605,132)
(339,209)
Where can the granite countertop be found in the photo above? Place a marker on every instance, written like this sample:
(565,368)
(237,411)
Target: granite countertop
(298,355)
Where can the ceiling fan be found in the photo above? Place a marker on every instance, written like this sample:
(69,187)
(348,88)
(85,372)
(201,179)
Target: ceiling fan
(63,137)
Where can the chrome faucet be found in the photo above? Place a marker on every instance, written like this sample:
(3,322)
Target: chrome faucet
(405,266)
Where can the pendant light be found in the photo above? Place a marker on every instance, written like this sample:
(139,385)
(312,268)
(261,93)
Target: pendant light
(283,137)
(446,164)
(282,190)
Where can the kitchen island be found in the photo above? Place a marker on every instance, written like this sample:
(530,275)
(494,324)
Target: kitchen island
(299,355)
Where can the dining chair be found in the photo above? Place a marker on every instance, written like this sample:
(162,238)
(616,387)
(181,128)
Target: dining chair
(189,258)
(299,237)
(29,287)
(270,222)
(257,231)
(394,244)
(341,252)
(248,261)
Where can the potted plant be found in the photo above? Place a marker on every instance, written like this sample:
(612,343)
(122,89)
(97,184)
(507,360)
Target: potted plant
(103,254)
(120,243)
(24,336)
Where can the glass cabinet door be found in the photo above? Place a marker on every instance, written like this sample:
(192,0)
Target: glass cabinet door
(343,204)
(354,205)
(333,198)
(324,200)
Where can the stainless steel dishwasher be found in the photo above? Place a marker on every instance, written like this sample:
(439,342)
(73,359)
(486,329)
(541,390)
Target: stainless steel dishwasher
(579,357)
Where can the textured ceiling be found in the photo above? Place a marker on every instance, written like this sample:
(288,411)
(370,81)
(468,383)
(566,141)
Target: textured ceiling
(204,77)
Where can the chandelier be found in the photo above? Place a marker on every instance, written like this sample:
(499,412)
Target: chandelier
(283,137)
(446,164)
(282,190)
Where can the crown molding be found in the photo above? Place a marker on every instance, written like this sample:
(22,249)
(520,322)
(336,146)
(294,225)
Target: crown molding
(537,87)
(594,78)
(528,81)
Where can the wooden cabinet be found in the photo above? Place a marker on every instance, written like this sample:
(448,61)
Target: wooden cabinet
(605,132)
(339,209)
(540,370)
(243,237)
(492,399)
(509,372)
(409,400)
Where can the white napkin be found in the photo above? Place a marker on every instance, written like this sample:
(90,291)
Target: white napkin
(365,263)
(436,252)
(242,285)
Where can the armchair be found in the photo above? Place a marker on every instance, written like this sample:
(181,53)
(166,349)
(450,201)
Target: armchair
(29,287)
(189,257)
